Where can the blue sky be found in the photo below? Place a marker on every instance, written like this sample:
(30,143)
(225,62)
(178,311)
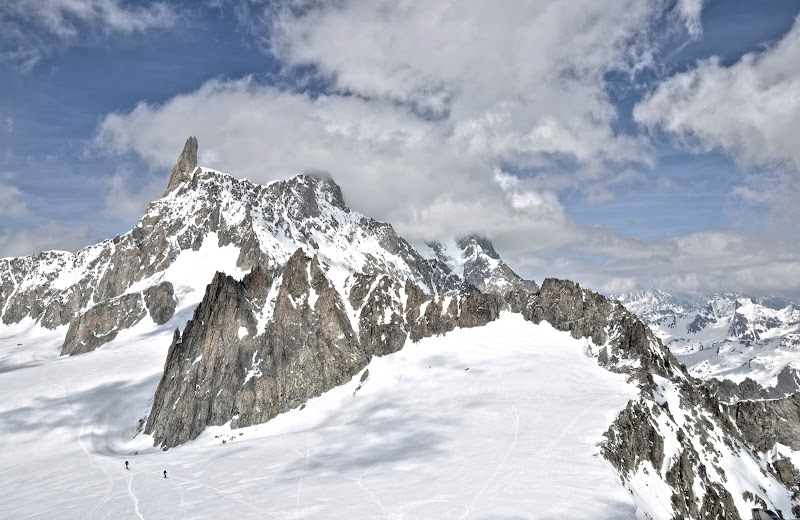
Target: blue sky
(626,146)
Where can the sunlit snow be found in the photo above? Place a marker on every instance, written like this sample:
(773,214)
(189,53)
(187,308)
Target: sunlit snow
(501,421)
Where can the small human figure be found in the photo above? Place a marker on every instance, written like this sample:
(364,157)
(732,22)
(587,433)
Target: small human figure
(126,465)
(165,473)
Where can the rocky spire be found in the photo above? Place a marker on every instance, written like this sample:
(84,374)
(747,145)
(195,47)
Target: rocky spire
(186,164)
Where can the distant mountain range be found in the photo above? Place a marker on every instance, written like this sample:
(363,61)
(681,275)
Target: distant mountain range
(745,348)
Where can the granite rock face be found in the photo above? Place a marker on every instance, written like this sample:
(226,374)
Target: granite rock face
(160,302)
(186,165)
(101,323)
(729,392)
(765,422)
(198,369)
(567,306)
(263,346)
(292,357)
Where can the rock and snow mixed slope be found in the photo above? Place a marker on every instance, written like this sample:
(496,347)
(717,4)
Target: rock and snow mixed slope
(754,344)
(206,221)
(291,296)
(263,346)
(474,258)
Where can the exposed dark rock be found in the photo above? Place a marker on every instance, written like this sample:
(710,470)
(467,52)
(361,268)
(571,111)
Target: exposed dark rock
(483,242)
(788,474)
(566,306)
(633,438)
(101,323)
(424,315)
(204,365)
(787,384)
(699,323)
(718,504)
(729,392)
(477,309)
(362,283)
(160,302)
(741,328)
(680,477)
(381,325)
(186,165)
(257,284)
(222,370)
(763,423)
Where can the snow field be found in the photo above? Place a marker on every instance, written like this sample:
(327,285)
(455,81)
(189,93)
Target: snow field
(501,421)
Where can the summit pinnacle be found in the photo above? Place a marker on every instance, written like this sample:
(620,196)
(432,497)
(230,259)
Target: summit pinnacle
(187,162)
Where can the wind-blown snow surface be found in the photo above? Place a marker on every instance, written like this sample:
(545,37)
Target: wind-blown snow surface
(500,421)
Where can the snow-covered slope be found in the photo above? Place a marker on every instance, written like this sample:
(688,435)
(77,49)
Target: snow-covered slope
(498,422)
(727,336)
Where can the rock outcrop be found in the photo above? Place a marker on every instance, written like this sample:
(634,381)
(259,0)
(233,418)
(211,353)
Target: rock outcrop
(263,346)
(101,323)
(766,422)
(289,358)
(186,165)
(160,302)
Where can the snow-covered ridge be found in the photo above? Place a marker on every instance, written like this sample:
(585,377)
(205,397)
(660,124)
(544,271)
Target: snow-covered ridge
(206,215)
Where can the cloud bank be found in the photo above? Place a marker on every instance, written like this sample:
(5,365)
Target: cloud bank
(453,117)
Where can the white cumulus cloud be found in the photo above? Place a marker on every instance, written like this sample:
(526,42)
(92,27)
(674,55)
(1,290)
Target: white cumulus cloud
(425,101)
(452,117)
(750,109)
(33,28)
(12,201)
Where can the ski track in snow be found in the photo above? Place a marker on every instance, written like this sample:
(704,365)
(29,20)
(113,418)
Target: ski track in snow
(360,482)
(225,494)
(133,497)
(305,470)
(505,457)
(90,456)
(183,498)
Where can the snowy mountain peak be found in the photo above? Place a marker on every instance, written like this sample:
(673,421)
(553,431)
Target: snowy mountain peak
(477,244)
(207,221)
(475,259)
(187,162)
